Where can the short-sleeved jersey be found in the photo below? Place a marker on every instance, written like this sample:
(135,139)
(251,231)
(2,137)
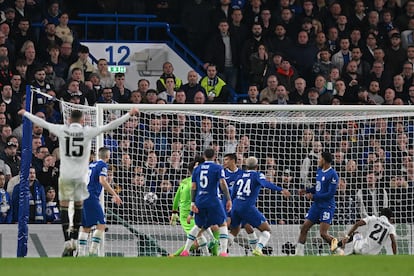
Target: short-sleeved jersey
(379,231)
(247,188)
(231,177)
(75,144)
(207,178)
(96,169)
(325,188)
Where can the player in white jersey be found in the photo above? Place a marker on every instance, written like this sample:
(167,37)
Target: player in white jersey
(74,148)
(379,231)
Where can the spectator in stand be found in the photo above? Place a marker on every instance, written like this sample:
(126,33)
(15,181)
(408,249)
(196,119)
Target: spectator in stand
(282,96)
(252,95)
(279,42)
(23,33)
(192,86)
(222,51)
(287,74)
(402,21)
(371,197)
(121,94)
(64,32)
(83,64)
(407,36)
(298,95)
(266,21)
(57,82)
(374,93)
(106,77)
(49,173)
(39,82)
(332,39)
(363,67)
(76,75)
(259,65)
(389,96)
(343,56)
(6,211)
(323,65)
(352,81)
(135,97)
(67,56)
(346,211)
(395,55)
(200,97)
(37,202)
(288,20)
(52,13)
(368,50)
(269,92)
(47,40)
(52,208)
(222,9)
(106,96)
(399,87)
(151,96)
(168,71)
(303,55)
(381,76)
(142,86)
(168,95)
(180,97)
(313,96)
(215,87)
(249,47)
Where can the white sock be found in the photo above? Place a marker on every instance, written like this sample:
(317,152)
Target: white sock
(202,244)
(191,237)
(224,238)
(252,240)
(300,249)
(96,240)
(230,240)
(209,234)
(83,243)
(263,239)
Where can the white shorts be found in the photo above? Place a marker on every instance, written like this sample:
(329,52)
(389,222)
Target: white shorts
(358,244)
(73,189)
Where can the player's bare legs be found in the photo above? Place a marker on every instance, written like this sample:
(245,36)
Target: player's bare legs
(300,246)
(323,230)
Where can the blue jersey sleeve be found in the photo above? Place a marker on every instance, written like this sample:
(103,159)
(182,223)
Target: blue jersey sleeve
(262,180)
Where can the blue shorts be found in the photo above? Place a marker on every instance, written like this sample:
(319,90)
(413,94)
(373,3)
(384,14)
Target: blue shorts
(247,214)
(210,216)
(318,215)
(92,213)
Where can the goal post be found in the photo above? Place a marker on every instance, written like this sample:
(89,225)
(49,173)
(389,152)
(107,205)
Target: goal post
(372,148)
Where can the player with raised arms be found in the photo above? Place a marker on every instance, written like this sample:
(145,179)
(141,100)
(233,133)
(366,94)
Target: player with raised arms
(244,195)
(323,205)
(93,214)
(206,205)
(74,148)
(380,230)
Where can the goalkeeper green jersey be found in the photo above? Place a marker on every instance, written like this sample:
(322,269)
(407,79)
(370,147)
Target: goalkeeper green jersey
(182,199)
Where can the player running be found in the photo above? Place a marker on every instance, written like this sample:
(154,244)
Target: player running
(92,210)
(245,193)
(323,206)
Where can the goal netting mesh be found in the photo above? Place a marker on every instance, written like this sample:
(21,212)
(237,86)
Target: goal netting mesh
(372,148)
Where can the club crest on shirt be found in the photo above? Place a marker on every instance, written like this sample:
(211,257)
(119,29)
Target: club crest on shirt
(323,178)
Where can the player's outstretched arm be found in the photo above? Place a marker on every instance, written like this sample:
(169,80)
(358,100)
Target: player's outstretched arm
(134,111)
(36,120)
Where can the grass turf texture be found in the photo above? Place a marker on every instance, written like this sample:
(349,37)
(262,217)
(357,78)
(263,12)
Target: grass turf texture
(200,266)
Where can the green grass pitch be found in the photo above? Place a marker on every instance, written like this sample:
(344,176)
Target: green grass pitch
(199,266)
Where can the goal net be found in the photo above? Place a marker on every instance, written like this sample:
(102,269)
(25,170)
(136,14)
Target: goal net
(372,148)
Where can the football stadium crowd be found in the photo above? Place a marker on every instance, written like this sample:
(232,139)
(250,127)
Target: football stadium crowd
(264,52)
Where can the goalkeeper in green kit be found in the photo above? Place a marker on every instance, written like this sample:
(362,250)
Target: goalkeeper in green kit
(182,208)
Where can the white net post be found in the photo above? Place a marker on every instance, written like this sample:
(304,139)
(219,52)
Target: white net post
(372,148)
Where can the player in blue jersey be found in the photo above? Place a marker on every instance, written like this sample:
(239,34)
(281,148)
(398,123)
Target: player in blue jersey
(244,195)
(232,174)
(323,206)
(92,210)
(206,205)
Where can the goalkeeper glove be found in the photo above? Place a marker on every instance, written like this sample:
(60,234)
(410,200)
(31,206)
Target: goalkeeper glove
(174,218)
